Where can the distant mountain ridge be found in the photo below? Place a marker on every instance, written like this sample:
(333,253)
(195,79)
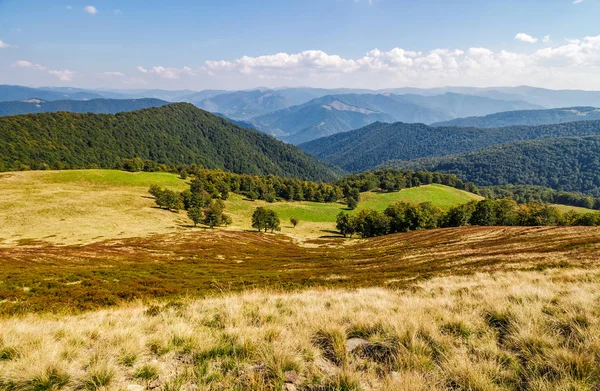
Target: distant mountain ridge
(373,145)
(178,133)
(97,106)
(333,114)
(527,117)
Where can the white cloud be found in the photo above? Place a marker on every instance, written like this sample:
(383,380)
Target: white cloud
(4,45)
(27,64)
(547,39)
(526,38)
(64,75)
(578,1)
(576,63)
(90,9)
(69,7)
(112,74)
(167,73)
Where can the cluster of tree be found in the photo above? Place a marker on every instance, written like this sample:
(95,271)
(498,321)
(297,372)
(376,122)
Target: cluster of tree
(265,219)
(174,134)
(374,145)
(569,164)
(389,179)
(201,207)
(404,217)
(273,188)
(527,193)
(269,188)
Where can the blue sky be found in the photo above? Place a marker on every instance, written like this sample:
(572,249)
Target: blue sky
(323,43)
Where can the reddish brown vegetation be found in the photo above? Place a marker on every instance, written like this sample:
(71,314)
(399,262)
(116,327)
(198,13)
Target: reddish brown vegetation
(36,277)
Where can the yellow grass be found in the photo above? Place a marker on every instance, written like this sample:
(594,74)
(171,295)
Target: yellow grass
(71,207)
(505,331)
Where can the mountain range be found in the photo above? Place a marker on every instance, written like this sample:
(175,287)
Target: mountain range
(374,145)
(527,117)
(99,106)
(333,114)
(299,115)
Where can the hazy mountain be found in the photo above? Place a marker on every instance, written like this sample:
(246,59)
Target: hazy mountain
(460,105)
(564,163)
(243,105)
(369,147)
(197,97)
(340,113)
(538,96)
(13,93)
(243,124)
(99,106)
(178,133)
(527,117)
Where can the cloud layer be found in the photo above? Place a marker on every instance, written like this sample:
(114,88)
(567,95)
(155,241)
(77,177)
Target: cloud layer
(576,63)
(63,75)
(572,64)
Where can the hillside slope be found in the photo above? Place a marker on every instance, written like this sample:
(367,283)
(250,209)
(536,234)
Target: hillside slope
(569,164)
(527,117)
(98,106)
(174,134)
(369,147)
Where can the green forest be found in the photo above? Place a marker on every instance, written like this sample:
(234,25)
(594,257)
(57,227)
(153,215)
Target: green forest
(371,146)
(173,134)
(568,164)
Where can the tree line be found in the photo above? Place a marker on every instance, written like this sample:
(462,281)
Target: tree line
(405,217)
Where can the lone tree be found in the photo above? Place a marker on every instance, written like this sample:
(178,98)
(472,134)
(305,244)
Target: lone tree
(346,224)
(294,221)
(196,214)
(352,203)
(265,219)
(213,213)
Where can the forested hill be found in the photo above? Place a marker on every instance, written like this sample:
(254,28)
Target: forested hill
(527,117)
(98,106)
(569,164)
(373,145)
(174,134)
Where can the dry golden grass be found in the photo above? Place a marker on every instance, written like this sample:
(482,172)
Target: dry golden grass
(534,330)
(81,206)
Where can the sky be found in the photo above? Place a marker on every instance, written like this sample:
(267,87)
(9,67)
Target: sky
(242,44)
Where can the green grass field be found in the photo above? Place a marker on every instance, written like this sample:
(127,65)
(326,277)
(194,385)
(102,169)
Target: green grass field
(442,196)
(567,208)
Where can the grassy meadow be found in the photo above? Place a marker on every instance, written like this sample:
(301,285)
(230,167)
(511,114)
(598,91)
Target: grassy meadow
(100,290)
(527,330)
(83,206)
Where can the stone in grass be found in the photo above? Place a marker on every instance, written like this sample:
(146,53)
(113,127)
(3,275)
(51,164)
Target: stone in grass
(135,387)
(290,377)
(354,343)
